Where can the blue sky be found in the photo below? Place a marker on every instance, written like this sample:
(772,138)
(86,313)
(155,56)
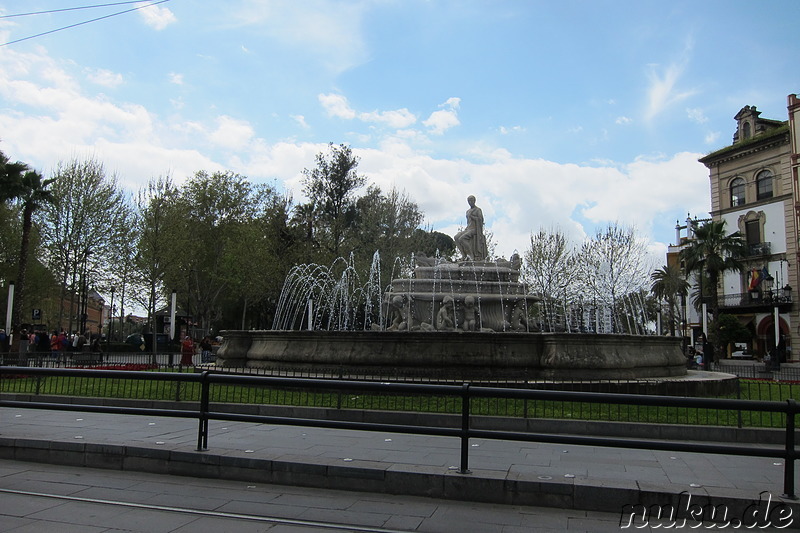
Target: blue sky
(567,114)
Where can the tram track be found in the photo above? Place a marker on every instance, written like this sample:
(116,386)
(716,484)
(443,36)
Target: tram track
(330,526)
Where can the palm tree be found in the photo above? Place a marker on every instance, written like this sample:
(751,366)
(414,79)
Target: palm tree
(669,285)
(18,182)
(711,254)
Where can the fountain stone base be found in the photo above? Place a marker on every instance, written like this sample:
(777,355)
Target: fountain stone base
(457,355)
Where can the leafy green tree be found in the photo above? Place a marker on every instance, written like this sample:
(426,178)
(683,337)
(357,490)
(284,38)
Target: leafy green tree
(433,243)
(18,182)
(267,242)
(385,223)
(711,254)
(156,234)
(331,188)
(670,286)
(231,246)
(84,229)
(727,329)
(10,221)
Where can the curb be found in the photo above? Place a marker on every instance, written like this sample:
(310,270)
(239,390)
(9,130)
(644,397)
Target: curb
(409,480)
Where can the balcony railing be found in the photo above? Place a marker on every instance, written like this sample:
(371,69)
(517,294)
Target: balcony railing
(754,298)
(759,249)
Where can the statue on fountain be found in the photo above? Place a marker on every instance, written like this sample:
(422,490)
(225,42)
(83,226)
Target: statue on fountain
(472,242)
(446,318)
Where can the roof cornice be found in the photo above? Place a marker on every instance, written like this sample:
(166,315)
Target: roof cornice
(756,144)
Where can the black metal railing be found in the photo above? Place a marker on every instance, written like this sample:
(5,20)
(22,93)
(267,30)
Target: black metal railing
(203,410)
(759,249)
(756,298)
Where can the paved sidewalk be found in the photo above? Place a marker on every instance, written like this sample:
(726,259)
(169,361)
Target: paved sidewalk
(41,498)
(568,477)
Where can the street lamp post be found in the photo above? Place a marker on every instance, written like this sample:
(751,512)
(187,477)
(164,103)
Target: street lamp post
(84,303)
(10,306)
(110,320)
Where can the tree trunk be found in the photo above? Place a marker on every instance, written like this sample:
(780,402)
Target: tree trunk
(27,224)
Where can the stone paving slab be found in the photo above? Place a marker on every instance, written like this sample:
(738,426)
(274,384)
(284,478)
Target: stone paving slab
(568,477)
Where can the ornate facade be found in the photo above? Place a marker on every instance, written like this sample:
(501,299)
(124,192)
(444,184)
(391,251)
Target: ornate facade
(754,189)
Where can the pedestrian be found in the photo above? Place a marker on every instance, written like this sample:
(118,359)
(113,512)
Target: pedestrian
(97,349)
(55,346)
(205,349)
(187,351)
(63,344)
(705,352)
(23,348)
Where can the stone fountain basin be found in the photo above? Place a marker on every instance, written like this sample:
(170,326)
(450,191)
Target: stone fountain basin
(457,355)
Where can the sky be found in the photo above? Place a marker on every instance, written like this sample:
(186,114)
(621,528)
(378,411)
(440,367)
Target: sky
(566,115)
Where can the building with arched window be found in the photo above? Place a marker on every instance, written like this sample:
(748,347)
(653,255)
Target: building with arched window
(754,189)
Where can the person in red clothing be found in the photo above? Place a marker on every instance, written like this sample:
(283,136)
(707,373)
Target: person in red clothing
(187,351)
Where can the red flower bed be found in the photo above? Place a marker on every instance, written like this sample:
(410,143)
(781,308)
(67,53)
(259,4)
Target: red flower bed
(121,366)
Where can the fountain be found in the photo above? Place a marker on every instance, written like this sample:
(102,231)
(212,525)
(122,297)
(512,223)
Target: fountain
(466,320)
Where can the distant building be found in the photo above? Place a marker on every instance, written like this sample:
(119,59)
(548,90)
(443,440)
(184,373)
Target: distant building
(754,189)
(690,320)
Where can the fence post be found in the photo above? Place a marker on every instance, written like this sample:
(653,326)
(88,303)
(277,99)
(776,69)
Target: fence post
(202,430)
(465,429)
(339,392)
(789,453)
(739,397)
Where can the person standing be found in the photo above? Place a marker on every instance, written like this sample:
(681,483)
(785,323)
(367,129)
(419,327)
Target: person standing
(205,349)
(187,351)
(707,351)
(63,343)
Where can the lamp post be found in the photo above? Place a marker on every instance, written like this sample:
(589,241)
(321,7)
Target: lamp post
(110,319)
(84,303)
(10,306)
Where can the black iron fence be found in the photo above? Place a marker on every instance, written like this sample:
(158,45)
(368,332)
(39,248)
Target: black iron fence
(205,387)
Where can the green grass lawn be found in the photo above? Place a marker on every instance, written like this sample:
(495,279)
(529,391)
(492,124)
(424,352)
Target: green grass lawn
(190,392)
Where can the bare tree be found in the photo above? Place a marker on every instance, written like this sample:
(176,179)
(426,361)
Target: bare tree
(612,264)
(549,263)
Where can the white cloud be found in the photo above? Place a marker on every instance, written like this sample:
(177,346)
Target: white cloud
(301,120)
(104,77)
(712,137)
(336,105)
(156,17)
(696,115)
(232,133)
(330,32)
(663,92)
(513,129)
(517,194)
(400,118)
(623,121)
(640,190)
(444,119)
(175,78)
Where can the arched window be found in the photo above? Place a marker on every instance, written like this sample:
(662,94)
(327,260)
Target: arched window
(746,130)
(737,192)
(764,185)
